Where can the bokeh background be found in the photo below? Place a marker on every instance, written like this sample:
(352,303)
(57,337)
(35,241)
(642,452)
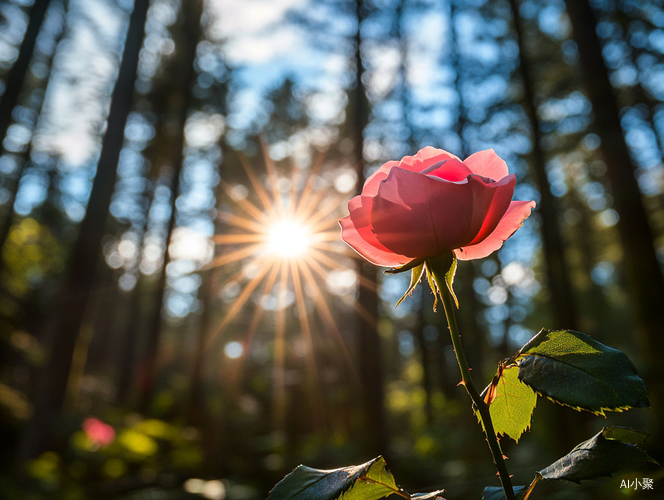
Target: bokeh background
(178,318)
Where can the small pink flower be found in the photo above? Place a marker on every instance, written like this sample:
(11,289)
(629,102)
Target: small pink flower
(433,202)
(98,432)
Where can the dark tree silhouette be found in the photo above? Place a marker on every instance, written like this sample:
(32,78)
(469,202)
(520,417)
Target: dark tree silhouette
(52,386)
(16,76)
(369,351)
(642,270)
(563,303)
(180,99)
(12,100)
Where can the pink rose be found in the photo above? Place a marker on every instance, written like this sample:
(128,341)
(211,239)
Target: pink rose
(433,202)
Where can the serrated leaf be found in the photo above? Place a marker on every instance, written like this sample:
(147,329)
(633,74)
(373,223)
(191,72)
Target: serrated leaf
(369,481)
(415,276)
(497,493)
(599,456)
(572,369)
(512,403)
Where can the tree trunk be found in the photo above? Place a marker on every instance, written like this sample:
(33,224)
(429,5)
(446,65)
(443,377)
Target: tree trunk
(195,403)
(643,273)
(563,304)
(84,257)
(126,360)
(369,351)
(16,76)
(9,213)
(192,11)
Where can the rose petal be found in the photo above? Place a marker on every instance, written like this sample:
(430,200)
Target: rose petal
(499,206)
(356,231)
(419,215)
(450,170)
(517,212)
(424,158)
(373,181)
(428,152)
(487,164)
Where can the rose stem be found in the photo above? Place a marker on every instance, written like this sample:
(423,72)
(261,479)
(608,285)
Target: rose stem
(435,264)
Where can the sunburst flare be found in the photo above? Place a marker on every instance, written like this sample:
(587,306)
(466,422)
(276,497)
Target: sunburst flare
(288,242)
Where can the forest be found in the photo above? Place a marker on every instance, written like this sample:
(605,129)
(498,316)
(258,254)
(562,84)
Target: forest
(179,316)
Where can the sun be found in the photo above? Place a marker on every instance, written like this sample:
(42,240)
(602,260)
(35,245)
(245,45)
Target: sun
(288,238)
(284,234)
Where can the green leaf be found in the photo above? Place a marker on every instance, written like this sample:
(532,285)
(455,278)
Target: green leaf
(432,285)
(406,267)
(602,455)
(512,403)
(625,434)
(414,280)
(572,369)
(449,279)
(445,264)
(497,493)
(369,481)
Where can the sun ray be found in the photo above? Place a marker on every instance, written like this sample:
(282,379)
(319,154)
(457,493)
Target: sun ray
(325,311)
(241,222)
(358,307)
(313,206)
(271,175)
(232,239)
(335,249)
(324,225)
(333,264)
(319,237)
(323,212)
(308,187)
(292,198)
(264,198)
(251,331)
(249,207)
(234,256)
(239,302)
(306,332)
(279,355)
(290,235)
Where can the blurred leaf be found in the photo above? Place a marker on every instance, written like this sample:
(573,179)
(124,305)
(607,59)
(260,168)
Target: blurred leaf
(572,369)
(512,403)
(369,481)
(414,280)
(607,452)
(497,493)
(14,403)
(137,442)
